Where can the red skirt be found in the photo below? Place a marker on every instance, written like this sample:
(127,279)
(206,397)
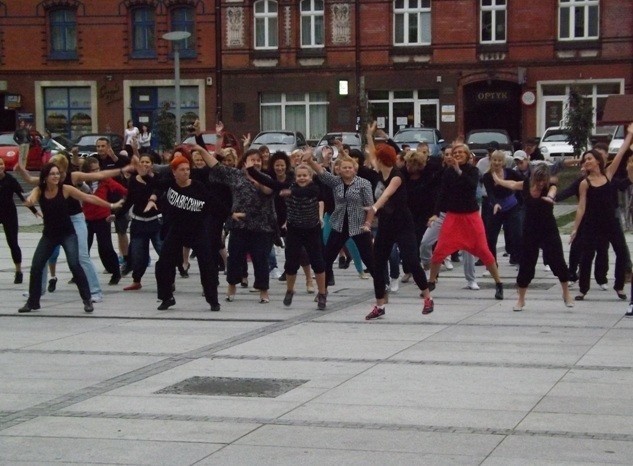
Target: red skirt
(462,232)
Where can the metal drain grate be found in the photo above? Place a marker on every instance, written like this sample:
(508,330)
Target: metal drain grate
(232,386)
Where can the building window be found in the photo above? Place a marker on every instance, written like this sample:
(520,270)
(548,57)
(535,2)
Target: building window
(553,99)
(312,23)
(63,29)
(182,19)
(306,113)
(266,28)
(412,22)
(143,31)
(493,21)
(578,19)
(67,110)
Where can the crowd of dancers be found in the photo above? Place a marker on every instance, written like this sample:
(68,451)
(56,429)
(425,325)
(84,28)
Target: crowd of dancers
(383,206)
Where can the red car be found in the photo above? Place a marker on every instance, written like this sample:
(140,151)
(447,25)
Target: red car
(9,152)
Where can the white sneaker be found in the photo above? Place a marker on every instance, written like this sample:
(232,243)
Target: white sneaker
(405,278)
(472,286)
(448,264)
(363,276)
(96,298)
(393,286)
(274,273)
(546,268)
(604,287)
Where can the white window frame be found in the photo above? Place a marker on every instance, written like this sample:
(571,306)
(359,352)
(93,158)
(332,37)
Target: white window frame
(594,96)
(271,24)
(312,13)
(493,9)
(285,102)
(411,15)
(578,6)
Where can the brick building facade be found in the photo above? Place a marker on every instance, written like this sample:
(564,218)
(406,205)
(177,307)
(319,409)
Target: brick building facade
(314,65)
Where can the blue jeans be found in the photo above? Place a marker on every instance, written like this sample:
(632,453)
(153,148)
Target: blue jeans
(349,244)
(43,251)
(141,233)
(81,229)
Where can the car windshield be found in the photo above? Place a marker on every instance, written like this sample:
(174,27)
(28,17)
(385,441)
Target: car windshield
(619,132)
(487,137)
(208,138)
(352,139)
(557,135)
(7,140)
(88,140)
(415,135)
(274,138)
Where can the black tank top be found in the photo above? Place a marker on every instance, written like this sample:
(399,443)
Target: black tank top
(600,208)
(57,223)
(74,206)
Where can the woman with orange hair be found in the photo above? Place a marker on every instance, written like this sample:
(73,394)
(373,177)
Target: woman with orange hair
(187,202)
(395,225)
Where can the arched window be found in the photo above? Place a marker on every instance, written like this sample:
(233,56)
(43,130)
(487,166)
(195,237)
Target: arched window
(266,24)
(63,34)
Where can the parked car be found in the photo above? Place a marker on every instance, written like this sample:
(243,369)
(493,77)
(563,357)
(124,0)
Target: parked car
(59,143)
(352,139)
(479,139)
(285,141)
(210,139)
(554,143)
(617,139)
(10,151)
(414,136)
(87,143)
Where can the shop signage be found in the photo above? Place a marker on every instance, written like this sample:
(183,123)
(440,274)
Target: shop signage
(492,96)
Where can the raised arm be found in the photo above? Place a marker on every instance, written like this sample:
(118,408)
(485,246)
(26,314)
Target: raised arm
(611,169)
(308,158)
(78,177)
(89,198)
(370,147)
(26,176)
(510,184)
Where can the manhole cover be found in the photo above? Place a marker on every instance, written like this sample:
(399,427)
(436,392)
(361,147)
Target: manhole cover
(233,386)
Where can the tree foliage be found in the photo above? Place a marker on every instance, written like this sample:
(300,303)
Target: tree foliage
(166,128)
(579,120)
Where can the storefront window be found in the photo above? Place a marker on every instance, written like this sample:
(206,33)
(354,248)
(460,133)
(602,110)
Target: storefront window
(306,113)
(68,110)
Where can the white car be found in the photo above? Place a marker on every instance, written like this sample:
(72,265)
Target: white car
(554,143)
(616,140)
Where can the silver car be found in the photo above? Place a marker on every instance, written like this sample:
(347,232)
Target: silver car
(414,136)
(284,141)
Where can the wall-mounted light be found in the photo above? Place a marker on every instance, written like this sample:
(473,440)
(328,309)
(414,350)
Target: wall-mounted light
(343,87)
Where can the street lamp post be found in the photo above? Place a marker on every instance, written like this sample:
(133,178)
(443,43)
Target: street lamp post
(175,37)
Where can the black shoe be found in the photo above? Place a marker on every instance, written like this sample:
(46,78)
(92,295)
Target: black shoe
(166,304)
(499,291)
(330,281)
(184,272)
(126,268)
(288,298)
(283,277)
(341,262)
(321,301)
(573,276)
(455,257)
(28,308)
(88,307)
(19,277)
(115,279)
(244,283)
(214,307)
(71,281)
(52,285)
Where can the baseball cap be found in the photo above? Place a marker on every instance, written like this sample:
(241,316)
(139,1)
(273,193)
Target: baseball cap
(520,155)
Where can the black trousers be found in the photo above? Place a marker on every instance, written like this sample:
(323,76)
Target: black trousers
(335,242)
(601,266)
(9,223)
(171,256)
(552,247)
(300,241)
(405,238)
(103,231)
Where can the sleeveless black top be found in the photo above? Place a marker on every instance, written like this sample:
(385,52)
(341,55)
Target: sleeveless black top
(57,223)
(74,206)
(600,207)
